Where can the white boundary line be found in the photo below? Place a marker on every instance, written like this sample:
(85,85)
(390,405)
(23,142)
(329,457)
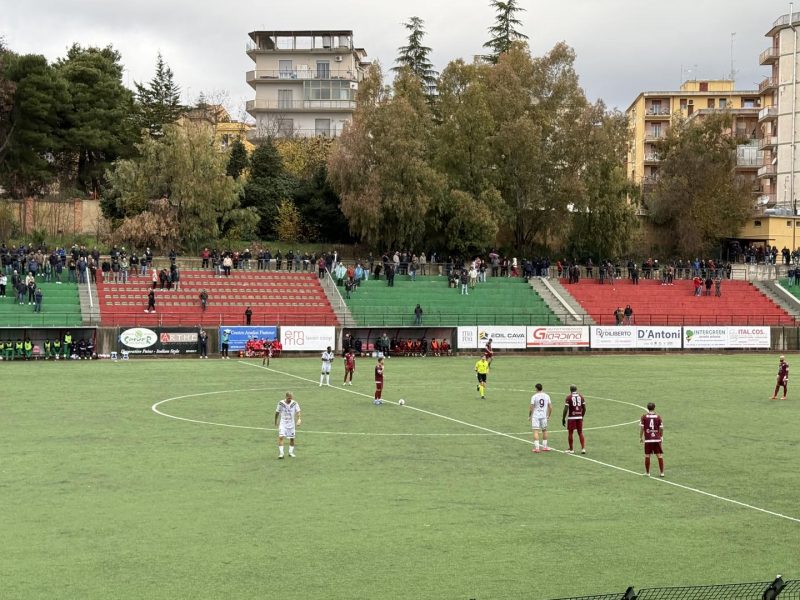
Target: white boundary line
(528,442)
(155,409)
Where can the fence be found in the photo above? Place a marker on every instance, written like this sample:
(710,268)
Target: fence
(778,589)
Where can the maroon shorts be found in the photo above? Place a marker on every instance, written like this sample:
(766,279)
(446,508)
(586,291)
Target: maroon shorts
(652,448)
(378,385)
(575,425)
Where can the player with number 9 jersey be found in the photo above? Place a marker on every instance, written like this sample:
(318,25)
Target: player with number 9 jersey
(539,412)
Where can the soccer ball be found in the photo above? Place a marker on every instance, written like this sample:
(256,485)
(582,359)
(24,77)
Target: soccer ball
(401,402)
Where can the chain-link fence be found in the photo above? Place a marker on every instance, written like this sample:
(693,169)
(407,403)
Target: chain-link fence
(763,590)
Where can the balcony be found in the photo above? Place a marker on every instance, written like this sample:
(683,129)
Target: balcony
(653,136)
(286,75)
(768,85)
(657,112)
(768,142)
(768,113)
(649,181)
(767,200)
(767,171)
(652,158)
(769,56)
(278,106)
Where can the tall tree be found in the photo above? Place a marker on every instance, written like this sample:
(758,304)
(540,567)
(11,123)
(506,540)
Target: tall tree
(603,221)
(7,89)
(99,128)
(505,30)
(237,159)
(415,56)
(158,102)
(698,199)
(34,125)
(185,169)
(318,204)
(267,185)
(381,165)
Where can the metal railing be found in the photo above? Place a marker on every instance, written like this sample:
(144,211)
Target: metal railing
(767,83)
(766,590)
(767,171)
(768,141)
(769,112)
(301,75)
(278,105)
(769,55)
(143,319)
(657,112)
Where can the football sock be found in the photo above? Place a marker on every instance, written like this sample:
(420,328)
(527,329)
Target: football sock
(536,444)
(661,464)
(280,450)
(328,379)
(321,379)
(544,443)
(647,464)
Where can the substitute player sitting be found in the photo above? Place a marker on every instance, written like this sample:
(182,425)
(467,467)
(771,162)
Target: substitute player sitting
(327,361)
(288,413)
(651,434)
(539,414)
(783,379)
(482,371)
(572,417)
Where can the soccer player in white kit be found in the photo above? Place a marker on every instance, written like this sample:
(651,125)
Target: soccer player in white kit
(288,413)
(327,360)
(539,414)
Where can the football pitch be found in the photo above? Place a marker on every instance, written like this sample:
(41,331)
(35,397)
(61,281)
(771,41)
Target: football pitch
(160,479)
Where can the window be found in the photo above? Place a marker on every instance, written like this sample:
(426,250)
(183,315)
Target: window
(323,69)
(703,86)
(329,90)
(285,98)
(285,70)
(710,103)
(285,127)
(723,103)
(322,127)
(684,104)
(788,223)
(756,223)
(748,103)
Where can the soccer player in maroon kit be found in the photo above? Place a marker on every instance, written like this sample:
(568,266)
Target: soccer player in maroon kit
(650,434)
(488,353)
(349,366)
(378,382)
(572,417)
(783,379)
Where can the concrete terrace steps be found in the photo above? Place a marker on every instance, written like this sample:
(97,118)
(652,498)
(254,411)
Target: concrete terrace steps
(654,304)
(580,316)
(284,298)
(60,307)
(498,301)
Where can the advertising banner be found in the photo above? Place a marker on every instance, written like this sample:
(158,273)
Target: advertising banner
(726,337)
(467,338)
(169,341)
(503,337)
(307,339)
(559,337)
(658,337)
(240,335)
(613,337)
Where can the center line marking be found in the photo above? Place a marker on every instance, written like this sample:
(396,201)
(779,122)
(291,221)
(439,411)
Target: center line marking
(528,442)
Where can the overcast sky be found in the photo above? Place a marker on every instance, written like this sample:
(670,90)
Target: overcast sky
(623,46)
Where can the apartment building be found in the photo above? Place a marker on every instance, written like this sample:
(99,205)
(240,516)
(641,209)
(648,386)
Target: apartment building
(651,114)
(305,82)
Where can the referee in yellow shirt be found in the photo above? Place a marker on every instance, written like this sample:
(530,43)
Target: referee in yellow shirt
(482,370)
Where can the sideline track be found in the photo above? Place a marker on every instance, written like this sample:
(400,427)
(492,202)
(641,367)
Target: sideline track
(529,443)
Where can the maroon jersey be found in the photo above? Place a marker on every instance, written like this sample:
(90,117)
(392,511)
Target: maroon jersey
(783,371)
(574,403)
(349,362)
(651,426)
(379,374)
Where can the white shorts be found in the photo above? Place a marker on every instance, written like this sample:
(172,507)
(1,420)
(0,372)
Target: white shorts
(326,368)
(539,423)
(286,431)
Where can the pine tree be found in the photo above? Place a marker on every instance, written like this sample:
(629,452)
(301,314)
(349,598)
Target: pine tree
(416,57)
(158,102)
(237,160)
(504,31)
(268,184)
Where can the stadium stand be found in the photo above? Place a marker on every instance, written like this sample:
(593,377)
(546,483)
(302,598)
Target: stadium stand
(60,307)
(274,297)
(498,301)
(654,304)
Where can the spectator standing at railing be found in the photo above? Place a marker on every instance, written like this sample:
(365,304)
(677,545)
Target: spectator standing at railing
(71,268)
(709,282)
(248,315)
(30,286)
(412,270)
(205,255)
(203,300)
(133,263)
(628,313)
(464,280)
(3,283)
(227,265)
(718,286)
(151,301)
(418,315)
(321,268)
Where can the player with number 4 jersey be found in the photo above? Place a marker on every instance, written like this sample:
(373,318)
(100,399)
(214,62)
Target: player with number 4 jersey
(651,433)
(539,414)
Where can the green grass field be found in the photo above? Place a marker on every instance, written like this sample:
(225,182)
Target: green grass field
(104,498)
